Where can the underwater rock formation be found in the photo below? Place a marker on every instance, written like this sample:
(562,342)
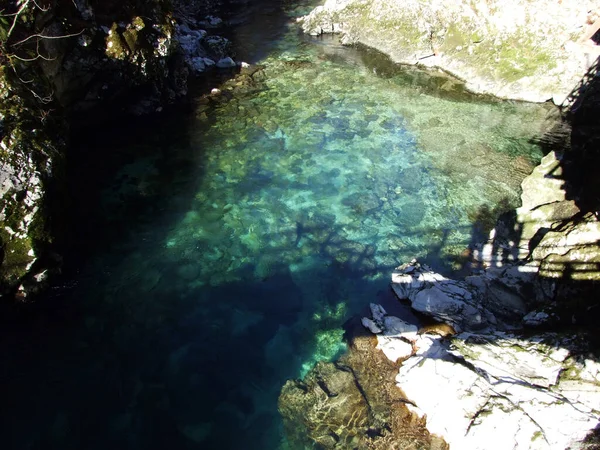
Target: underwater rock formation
(352,403)
(528,50)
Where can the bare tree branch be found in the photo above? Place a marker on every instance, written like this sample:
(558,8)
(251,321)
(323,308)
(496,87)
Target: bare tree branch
(19,63)
(17,14)
(43,36)
(40,8)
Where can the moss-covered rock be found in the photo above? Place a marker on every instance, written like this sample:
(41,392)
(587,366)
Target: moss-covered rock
(352,403)
(519,49)
(28,156)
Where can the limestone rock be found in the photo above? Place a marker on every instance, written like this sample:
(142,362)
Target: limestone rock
(571,249)
(500,388)
(555,243)
(352,403)
(472,40)
(510,359)
(395,337)
(370,325)
(445,300)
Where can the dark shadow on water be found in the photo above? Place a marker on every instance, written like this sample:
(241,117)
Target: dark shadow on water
(573,286)
(139,374)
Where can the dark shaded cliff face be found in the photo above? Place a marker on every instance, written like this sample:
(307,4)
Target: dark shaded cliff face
(64,63)
(583,161)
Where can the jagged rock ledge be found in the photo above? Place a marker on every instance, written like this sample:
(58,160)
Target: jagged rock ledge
(488,385)
(490,371)
(526,50)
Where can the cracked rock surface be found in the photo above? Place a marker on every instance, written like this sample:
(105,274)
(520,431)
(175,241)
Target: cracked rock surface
(487,384)
(353,403)
(499,388)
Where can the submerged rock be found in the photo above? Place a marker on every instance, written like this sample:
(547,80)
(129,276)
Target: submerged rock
(352,404)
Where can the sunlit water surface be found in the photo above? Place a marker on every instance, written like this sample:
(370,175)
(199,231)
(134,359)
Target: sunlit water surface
(244,235)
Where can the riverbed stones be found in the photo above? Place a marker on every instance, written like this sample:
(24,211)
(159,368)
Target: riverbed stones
(352,403)
(201,51)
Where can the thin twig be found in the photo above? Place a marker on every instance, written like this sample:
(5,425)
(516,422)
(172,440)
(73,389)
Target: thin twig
(17,14)
(43,36)
(40,8)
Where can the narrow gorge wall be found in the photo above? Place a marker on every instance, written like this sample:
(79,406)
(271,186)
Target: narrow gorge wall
(65,62)
(527,50)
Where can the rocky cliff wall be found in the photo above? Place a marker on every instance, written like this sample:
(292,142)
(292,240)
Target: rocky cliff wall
(530,50)
(63,61)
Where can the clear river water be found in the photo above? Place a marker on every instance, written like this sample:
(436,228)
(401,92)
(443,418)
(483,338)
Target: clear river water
(226,246)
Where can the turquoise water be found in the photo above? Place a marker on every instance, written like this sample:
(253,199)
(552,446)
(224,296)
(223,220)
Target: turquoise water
(229,245)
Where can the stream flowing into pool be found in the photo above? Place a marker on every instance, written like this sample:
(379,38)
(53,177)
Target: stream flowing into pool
(235,241)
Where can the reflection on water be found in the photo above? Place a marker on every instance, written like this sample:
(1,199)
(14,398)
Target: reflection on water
(247,239)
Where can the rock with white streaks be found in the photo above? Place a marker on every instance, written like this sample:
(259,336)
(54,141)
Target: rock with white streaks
(395,337)
(503,389)
(445,300)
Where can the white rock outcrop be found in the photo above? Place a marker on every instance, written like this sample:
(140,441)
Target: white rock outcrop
(531,50)
(494,387)
(501,389)
(394,336)
(490,299)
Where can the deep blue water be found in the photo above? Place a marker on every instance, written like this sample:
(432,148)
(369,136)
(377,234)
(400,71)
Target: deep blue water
(220,255)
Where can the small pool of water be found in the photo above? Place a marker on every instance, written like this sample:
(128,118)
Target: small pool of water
(235,241)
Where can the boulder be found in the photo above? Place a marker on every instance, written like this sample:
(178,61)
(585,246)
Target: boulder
(501,388)
(226,63)
(450,301)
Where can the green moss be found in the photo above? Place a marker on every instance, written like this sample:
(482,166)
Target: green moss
(115,47)
(519,56)
(454,38)
(401,31)
(511,60)
(519,60)
(16,257)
